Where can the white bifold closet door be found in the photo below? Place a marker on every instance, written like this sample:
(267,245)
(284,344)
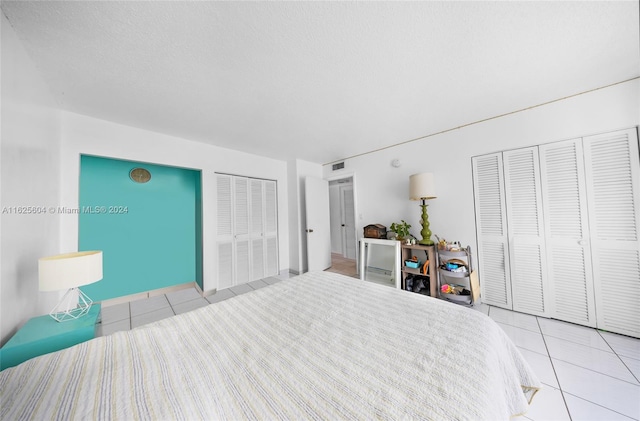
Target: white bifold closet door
(491,225)
(247,237)
(613,190)
(270,228)
(567,232)
(225,244)
(241,259)
(559,230)
(509,220)
(523,201)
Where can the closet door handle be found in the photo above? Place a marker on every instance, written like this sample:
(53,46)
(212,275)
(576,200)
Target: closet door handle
(582,242)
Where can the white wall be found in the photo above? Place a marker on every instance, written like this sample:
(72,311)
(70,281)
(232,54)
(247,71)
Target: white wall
(91,136)
(382,192)
(30,170)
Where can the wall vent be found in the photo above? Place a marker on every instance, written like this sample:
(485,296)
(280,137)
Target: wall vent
(338,166)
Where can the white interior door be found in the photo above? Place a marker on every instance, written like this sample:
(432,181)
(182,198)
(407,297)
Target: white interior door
(349,223)
(335,215)
(318,224)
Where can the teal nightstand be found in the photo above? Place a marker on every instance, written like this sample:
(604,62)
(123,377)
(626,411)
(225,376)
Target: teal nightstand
(42,335)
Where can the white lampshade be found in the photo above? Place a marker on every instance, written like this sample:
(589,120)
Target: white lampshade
(69,270)
(421,186)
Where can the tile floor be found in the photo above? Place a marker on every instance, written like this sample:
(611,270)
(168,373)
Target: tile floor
(127,316)
(587,374)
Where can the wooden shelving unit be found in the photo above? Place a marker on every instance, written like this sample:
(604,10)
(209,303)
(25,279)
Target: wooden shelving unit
(423,253)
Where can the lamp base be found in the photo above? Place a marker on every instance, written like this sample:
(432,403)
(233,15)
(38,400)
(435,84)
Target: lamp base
(426,232)
(73,305)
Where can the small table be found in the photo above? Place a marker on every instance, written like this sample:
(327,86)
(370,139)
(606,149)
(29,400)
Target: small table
(42,335)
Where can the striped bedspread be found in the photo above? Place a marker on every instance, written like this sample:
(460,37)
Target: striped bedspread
(318,346)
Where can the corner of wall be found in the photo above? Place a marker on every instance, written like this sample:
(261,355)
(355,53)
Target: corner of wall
(29,183)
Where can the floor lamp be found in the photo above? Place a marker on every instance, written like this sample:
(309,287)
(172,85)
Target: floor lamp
(70,271)
(422,187)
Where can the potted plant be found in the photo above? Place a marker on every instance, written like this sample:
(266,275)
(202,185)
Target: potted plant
(401,229)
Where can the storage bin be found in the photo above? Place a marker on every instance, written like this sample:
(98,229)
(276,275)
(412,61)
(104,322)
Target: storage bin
(466,299)
(412,264)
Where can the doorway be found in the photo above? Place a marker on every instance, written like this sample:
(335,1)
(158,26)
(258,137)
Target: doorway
(342,226)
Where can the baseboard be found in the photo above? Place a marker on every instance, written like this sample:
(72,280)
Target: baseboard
(148,294)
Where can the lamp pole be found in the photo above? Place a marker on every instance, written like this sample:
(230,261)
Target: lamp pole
(426,232)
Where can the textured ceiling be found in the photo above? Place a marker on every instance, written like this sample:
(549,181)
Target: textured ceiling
(321,81)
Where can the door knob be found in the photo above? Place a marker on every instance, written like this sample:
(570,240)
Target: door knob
(309,230)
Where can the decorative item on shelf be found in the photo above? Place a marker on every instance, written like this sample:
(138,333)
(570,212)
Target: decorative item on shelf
(425,268)
(448,246)
(375,231)
(409,240)
(401,229)
(422,187)
(70,271)
(413,263)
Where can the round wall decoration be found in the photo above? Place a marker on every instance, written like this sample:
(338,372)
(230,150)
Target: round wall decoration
(140,175)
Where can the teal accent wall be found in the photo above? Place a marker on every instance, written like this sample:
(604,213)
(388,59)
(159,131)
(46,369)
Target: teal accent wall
(150,233)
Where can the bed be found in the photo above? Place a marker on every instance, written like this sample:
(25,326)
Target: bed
(317,346)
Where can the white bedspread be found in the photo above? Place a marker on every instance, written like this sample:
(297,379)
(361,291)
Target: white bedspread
(318,346)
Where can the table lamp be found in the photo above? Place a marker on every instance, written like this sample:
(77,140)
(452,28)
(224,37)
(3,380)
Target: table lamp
(422,187)
(70,271)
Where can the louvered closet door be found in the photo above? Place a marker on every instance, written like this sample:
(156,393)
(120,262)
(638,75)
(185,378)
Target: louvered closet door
(491,228)
(241,230)
(271,228)
(257,229)
(567,232)
(613,188)
(526,231)
(224,235)
(247,237)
